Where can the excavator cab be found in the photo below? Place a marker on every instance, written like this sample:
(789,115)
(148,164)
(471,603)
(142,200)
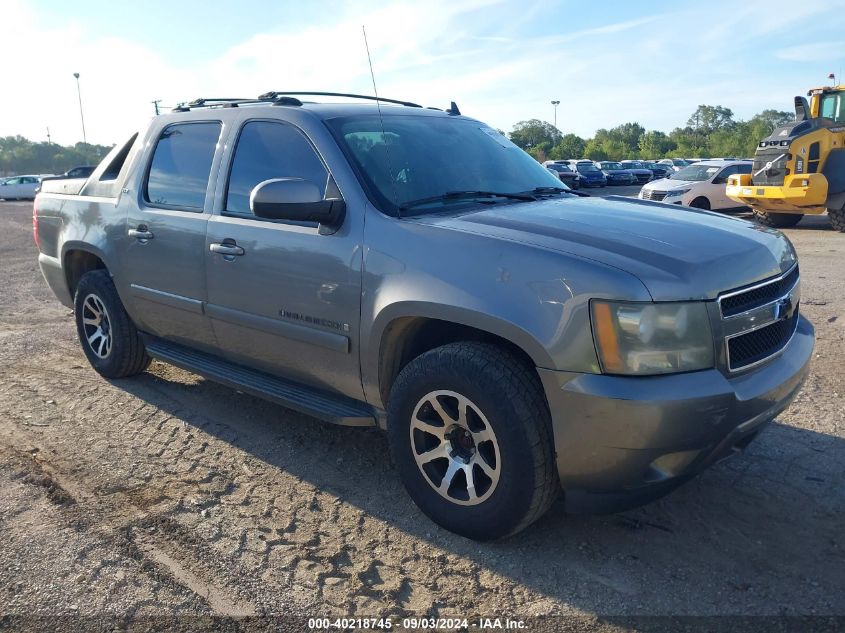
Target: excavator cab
(800,167)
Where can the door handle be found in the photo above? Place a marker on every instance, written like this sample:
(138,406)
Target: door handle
(142,233)
(226,249)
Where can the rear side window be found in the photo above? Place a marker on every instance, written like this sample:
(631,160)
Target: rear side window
(268,149)
(181,164)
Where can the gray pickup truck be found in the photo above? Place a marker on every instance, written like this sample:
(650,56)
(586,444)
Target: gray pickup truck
(410,268)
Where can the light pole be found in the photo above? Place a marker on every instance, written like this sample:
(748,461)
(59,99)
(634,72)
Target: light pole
(81,117)
(555,104)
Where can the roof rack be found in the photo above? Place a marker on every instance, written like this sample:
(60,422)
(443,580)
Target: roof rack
(272,95)
(288,98)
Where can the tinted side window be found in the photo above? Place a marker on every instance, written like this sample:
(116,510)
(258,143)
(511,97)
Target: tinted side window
(745,168)
(727,171)
(270,150)
(181,164)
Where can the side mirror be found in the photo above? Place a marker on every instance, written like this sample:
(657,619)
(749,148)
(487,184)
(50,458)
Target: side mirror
(296,200)
(721,180)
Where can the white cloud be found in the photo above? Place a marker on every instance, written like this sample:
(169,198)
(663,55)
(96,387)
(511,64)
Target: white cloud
(652,69)
(828,51)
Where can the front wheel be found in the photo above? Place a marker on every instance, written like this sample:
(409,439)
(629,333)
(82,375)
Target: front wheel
(700,203)
(471,436)
(109,339)
(777,220)
(837,219)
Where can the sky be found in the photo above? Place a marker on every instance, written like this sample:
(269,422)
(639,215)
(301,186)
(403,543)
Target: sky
(607,62)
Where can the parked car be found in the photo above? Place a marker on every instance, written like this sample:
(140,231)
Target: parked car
(677,164)
(591,176)
(701,185)
(659,170)
(511,337)
(615,173)
(83,171)
(638,168)
(19,187)
(566,173)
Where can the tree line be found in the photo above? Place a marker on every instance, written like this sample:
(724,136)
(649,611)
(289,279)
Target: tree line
(19,155)
(711,131)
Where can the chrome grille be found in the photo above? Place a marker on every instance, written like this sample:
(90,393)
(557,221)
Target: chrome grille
(758,345)
(653,194)
(759,320)
(742,300)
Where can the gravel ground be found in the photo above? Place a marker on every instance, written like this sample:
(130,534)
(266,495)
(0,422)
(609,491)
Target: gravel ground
(167,495)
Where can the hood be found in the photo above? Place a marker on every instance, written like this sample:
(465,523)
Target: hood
(677,252)
(591,174)
(667,184)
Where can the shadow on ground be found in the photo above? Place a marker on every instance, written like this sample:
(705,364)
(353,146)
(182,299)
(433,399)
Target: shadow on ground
(761,533)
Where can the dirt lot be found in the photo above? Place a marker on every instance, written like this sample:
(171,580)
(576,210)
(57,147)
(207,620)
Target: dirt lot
(167,494)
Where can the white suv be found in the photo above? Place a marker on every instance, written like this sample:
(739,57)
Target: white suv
(701,185)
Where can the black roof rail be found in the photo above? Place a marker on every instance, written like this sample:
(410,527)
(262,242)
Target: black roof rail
(273,95)
(286,98)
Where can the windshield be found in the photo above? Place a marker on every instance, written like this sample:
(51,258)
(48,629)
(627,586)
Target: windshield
(586,168)
(611,166)
(833,107)
(634,164)
(409,158)
(695,173)
(558,167)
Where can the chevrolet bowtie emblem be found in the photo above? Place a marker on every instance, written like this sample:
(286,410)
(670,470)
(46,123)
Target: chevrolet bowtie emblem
(783,308)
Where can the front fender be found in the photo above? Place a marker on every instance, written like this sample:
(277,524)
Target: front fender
(535,298)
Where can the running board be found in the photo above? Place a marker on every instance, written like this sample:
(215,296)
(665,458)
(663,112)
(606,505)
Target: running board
(326,406)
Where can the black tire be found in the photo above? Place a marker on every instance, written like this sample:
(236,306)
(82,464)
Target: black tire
(508,393)
(837,219)
(117,351)
(700,203)
(777,220)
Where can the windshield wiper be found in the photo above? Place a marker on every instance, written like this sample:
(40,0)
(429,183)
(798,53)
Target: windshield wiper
(465,195)
(547,190)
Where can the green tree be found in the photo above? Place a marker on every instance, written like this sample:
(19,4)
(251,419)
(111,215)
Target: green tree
(594,150)
(707,118)
(770,119)
(570,146)
(528,134)
(655,144)
(19,155)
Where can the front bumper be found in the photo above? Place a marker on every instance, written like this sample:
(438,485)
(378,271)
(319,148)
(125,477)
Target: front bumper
(800,193)
(624,441)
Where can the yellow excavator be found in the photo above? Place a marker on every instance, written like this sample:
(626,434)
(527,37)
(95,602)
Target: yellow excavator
(800,167)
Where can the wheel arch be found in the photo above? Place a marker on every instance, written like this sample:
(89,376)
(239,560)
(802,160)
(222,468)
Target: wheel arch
(706,202)
(79,258)
(403,334)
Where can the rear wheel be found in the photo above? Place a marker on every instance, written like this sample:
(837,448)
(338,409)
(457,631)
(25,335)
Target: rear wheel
(700,203)
(109,339)
(837,219)
(777,220)
(470,433)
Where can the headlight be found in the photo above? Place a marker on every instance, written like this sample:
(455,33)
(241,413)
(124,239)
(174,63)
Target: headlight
(677,192)
(651,338)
